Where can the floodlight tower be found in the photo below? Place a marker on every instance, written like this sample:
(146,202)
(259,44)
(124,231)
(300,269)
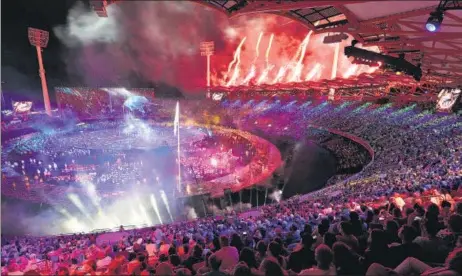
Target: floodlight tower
(39,39)
(207,48)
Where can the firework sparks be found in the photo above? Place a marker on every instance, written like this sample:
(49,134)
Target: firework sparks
(264,75)
(281,73)
(253,68)
(257,49)
(335,61)
(351,71)
(285,60)
(268,50)
(316,68)
(237,61)
(297,69)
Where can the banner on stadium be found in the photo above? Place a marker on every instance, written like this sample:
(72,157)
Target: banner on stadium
(447,99)
(22,107)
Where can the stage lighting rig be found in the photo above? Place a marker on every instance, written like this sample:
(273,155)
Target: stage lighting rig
(336,38)
(100,6)
(436,17)
(370,58)
(434,21)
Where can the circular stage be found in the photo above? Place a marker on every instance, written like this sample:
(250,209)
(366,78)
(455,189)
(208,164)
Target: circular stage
(108,160)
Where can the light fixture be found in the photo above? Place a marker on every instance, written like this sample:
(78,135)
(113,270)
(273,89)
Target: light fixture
(434,21)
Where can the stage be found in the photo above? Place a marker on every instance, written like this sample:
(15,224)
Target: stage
(117,169)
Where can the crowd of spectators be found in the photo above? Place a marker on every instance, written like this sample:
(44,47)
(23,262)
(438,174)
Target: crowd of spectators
(294,237)
(399,216)
(351,157)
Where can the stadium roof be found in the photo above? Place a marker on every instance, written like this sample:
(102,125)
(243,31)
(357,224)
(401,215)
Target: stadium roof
(394,26)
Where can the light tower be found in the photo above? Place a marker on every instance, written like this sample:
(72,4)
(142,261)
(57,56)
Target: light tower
(39,39)
(207,48)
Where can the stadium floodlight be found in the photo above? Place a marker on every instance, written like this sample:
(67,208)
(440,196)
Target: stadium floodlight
(207,48)
(39,39)
(434,21)
(100,7)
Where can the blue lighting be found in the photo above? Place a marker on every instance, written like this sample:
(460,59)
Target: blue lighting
(431,27)
(434,21)
(136,103)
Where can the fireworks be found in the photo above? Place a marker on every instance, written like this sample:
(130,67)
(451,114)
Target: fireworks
(237,61)
(307,64)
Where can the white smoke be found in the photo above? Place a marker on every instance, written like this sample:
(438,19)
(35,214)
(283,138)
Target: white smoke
(119,92)
(85,27)
(138,40)
(276,195)
(130,208)
(214,209)
(138,128)
(190,213)
(239,207)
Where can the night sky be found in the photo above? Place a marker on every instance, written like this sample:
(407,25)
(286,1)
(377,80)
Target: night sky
(19,72)
(141,44)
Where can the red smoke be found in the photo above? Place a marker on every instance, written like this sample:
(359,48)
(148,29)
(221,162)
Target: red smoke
(159,41)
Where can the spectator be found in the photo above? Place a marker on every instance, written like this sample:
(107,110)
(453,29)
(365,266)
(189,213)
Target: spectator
(261,251)
(357,226)
(151,248)
(271,267)
(391,230)
(446,207)
(459,208)
(413,266)
(247,256)
(183,272)
(205,267)
(196,257)
(164,269)
(433,249)
(329,239)
(275,251)
(174,260)
(452,232)
(242,269)
(227,255)
(347,237)
(407,248)
(303,257)
(346,261)
(236,242)
(324,259)
(215,266)
(378,251)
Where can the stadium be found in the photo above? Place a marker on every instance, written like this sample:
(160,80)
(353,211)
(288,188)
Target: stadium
(235,138)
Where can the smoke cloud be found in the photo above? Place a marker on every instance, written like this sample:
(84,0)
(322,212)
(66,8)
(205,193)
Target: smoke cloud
(84,27)
(143,41)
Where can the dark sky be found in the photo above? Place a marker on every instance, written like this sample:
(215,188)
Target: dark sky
(19,72)
(158,44)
